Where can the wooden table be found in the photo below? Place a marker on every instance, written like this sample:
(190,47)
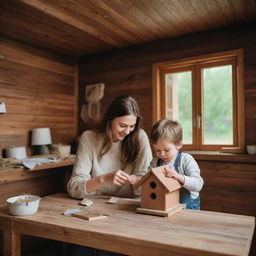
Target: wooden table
(185,233)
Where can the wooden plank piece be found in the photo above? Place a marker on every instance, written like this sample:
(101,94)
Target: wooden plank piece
(90,215)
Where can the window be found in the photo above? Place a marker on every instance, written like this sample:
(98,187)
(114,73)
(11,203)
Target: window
(205,94)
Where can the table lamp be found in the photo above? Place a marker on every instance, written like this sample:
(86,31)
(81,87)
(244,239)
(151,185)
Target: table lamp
(41,138)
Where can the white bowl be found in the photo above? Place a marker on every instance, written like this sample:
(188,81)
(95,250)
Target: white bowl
(23,204)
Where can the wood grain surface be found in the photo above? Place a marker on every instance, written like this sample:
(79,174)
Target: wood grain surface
(185,233)
(38,89)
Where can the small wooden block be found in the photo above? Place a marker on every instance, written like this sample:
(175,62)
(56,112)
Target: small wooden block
(86,202)
(90,215)
(113,200)
(165,213)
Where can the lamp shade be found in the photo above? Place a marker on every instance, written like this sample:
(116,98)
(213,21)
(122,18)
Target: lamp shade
(41,136)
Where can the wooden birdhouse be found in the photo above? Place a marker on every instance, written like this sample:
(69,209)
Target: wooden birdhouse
(159,194)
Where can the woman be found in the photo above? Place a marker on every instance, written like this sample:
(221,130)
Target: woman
(112,158)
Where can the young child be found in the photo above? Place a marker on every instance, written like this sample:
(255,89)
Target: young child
(166,139)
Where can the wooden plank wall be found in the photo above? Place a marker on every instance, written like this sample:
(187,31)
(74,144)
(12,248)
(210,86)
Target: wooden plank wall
(229,186)
(129,71)
(39,90)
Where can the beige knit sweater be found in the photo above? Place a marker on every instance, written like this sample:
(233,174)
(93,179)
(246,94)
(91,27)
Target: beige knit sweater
(89,165)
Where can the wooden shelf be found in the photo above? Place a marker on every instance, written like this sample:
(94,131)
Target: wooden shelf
(66,162)
(14,174)
(219,156)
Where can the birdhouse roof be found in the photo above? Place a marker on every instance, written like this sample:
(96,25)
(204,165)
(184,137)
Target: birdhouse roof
(169,183)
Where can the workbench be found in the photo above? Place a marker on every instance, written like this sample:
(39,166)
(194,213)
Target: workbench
(187,232)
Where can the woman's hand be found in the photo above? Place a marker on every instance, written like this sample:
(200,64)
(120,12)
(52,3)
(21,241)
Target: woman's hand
(173,174)
(118,177)
(121,178)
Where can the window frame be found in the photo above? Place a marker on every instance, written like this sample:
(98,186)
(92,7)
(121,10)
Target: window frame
(236,57)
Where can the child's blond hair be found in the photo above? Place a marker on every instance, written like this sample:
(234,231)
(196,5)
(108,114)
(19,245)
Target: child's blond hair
(166,129)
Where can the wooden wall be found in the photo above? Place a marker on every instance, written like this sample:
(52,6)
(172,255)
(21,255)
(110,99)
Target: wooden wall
(39,90)
(230,186)
(129,71)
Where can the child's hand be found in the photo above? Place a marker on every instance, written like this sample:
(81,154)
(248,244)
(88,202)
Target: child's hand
(169,172)
(173,174)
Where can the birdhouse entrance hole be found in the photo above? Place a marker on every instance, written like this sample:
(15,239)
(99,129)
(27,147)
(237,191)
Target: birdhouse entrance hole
(152,184)
(153,195)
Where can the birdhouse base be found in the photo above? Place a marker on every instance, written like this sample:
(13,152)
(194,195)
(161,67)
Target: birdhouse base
(165,213)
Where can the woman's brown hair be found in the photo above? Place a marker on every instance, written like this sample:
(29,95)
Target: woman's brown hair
(130,145)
